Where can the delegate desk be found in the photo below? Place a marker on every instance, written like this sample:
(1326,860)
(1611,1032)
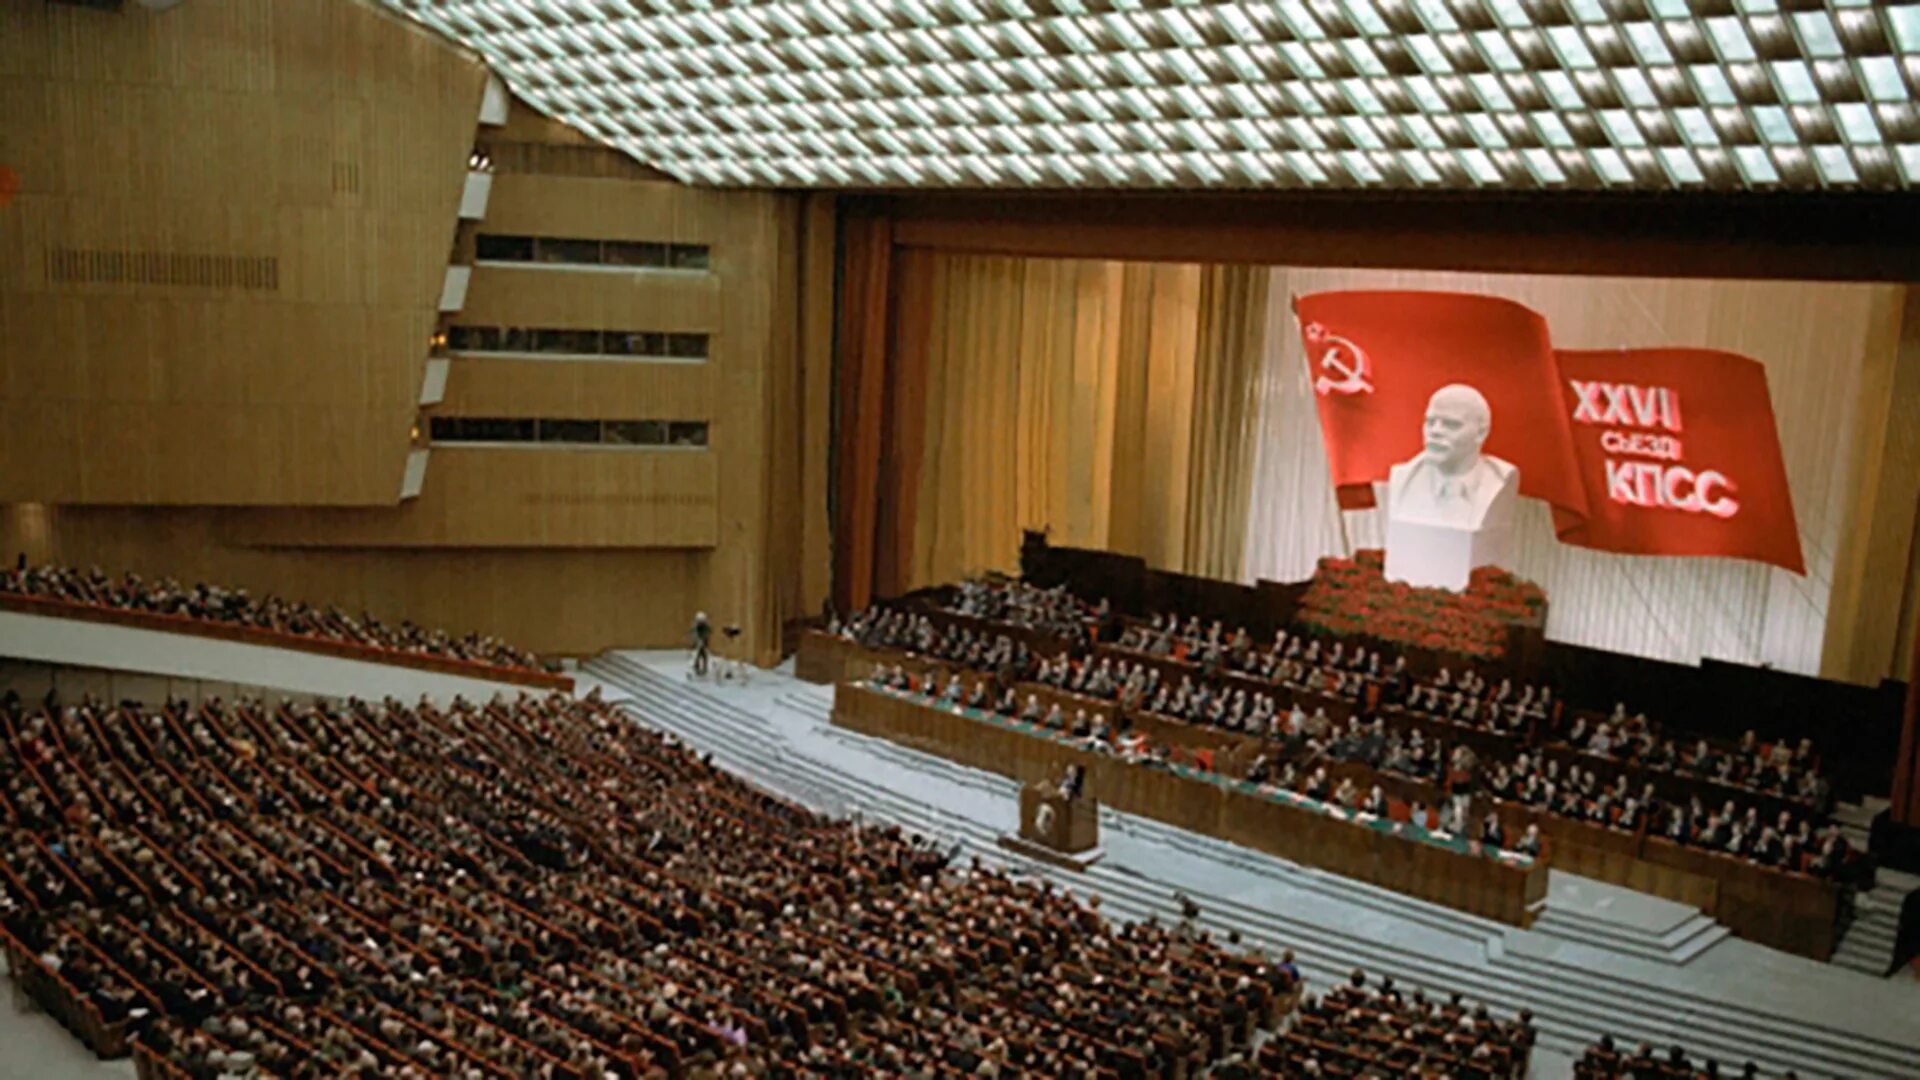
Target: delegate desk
(1487,744)
(829,658)
(1404,858)
(1162,730)
(1793,912)
(1678,786)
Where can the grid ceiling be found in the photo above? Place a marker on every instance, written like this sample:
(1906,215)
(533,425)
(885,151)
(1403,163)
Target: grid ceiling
(1409,94)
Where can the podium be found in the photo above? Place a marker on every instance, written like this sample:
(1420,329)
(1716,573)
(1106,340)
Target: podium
(1055,829)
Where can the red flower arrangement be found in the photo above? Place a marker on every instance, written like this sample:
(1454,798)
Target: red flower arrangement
(1353,596)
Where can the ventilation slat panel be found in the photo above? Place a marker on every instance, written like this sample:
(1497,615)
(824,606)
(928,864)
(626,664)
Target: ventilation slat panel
(72,266)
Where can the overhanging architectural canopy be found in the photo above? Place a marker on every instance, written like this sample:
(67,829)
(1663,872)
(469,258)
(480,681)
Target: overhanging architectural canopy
(1182,94)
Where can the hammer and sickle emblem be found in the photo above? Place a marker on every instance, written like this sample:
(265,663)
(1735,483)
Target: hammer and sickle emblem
(1344,366)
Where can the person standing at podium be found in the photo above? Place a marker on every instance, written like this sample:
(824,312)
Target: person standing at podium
(1073,782)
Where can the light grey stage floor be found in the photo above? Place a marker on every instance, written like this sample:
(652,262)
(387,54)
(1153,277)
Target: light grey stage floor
(1599,959)
(34,1045)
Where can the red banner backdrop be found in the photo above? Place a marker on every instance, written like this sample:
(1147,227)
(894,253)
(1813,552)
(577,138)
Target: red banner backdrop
(1640,451)
(1680,455)
(1401,347)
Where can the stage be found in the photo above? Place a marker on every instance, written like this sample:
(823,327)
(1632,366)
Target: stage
(1599,960)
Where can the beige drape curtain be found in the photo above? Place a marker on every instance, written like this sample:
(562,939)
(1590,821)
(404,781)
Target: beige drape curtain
(1231,352)
(1107,403)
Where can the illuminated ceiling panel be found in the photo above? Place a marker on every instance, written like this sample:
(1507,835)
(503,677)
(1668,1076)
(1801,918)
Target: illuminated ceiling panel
(1423,94)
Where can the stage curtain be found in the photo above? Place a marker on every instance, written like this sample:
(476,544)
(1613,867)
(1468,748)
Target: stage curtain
(1020,393)
(1228,361)
(904,421)
(817,318)
(1105,403)
(1110,405)
(860,399)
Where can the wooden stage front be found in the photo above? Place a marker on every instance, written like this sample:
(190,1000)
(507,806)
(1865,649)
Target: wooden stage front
(1408,861)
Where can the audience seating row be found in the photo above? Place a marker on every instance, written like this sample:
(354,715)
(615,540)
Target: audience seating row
(1604,1061)
(544,888)
(236,614)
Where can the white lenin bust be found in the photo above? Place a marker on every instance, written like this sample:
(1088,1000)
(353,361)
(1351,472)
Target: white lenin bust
(1451,508)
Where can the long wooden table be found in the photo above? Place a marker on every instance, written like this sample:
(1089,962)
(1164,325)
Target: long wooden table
(829,658)
(1403,858)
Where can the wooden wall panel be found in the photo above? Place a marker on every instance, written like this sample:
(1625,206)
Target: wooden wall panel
(723,502)
(606,390)
(321,137)
(606,209)
(281,404)
(746,388)
(314,133)
(594,299)
(531,143)
(504,497)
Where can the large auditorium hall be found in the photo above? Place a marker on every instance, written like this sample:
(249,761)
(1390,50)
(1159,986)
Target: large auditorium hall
(1085,539)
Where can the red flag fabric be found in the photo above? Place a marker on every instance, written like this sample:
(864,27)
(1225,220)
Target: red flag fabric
(1646,451)
(1376,357)
(1678,451)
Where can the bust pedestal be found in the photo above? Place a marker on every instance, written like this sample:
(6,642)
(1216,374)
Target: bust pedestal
(1443,556)
(1065,832)
(1438,544)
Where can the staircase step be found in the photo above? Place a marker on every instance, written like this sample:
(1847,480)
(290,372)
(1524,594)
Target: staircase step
(1899,882)
(1875,930)
(1678,946)
(1860,814)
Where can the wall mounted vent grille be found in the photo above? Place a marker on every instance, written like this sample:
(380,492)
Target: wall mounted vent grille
(80,266)
(346,178)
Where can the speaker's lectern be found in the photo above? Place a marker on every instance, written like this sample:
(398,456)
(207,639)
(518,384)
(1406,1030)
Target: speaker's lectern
(1055,827)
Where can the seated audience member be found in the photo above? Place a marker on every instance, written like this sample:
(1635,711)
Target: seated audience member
(1363,1028)
(1492,836)
(1530,842)
(544,887)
